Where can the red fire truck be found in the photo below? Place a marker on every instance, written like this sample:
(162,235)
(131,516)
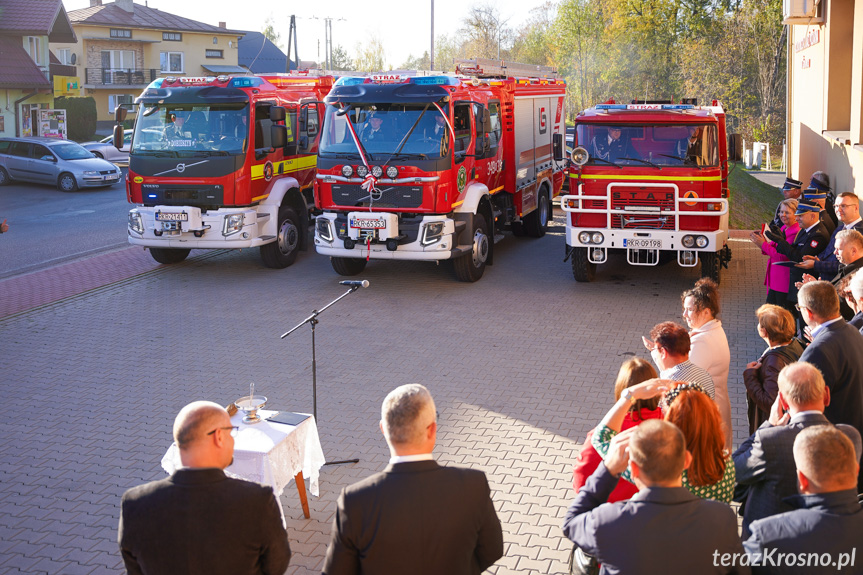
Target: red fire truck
(435,167)
(224,162)
(649,180)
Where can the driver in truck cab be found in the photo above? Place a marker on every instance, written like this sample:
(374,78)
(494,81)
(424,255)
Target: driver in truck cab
(175,129)
(372,130)
(612,146)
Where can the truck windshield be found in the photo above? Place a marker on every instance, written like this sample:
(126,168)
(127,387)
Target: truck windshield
(187,128)
(384,129)
(663,145)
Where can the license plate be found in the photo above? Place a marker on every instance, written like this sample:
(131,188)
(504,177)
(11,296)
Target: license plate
(638,243)
(172,217)
(365,224)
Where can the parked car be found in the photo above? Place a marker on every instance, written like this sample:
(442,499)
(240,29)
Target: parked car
(104,148)
(61,163)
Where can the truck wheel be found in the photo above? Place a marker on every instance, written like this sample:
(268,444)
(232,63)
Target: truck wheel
(711,265)
(470,267)
(536,222)
(582,269)
(168,256)
(283,252)
(348,266)
(4,177)
(66,182)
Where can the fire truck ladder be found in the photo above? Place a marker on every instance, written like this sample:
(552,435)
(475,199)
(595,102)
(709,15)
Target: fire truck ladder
(485,68)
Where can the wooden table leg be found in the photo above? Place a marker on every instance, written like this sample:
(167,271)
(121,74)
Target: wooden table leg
(301,488)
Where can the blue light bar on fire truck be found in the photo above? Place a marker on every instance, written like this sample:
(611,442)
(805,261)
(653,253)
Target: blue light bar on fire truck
(644,106)
(397,79)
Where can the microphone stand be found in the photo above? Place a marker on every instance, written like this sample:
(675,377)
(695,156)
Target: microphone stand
(312,320)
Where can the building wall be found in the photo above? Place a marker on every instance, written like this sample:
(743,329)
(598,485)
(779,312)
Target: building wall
(8,112)
(826,96)
(147,45)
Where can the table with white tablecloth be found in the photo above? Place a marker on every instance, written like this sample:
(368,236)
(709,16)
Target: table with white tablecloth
(271,454)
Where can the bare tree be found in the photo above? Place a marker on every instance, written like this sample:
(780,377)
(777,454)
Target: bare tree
(486,33)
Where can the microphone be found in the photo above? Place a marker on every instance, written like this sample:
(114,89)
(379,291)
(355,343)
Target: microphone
(355,283)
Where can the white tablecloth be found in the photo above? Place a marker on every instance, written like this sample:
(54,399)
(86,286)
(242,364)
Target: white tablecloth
(270,453)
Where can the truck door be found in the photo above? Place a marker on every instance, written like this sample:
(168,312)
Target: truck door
(488,152)
(463,150)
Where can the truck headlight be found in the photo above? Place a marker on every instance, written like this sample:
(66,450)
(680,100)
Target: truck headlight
(136,223)
(596,237)
(584,237)
(232,224)
(347,171)
(362,171)
(688,241)
(392,172)
(432,233)
(323,229)
(701,241)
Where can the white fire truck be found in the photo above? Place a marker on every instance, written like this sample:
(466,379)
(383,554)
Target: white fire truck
(435,167)
(649,179)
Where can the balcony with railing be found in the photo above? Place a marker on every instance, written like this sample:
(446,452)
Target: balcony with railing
(119,77)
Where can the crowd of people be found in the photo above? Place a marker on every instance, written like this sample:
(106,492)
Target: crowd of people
(654,481)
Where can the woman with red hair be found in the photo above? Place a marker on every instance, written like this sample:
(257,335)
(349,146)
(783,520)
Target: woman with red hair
(633,371)
(686,405)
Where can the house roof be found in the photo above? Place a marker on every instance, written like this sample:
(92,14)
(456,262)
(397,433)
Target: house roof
(19,71)
(36,18)
(141,17)
(256,52)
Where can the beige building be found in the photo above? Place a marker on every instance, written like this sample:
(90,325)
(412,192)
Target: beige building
(825,95)
(123,46)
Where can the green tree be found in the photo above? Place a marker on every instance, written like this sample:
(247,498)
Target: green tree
(340,59)
(417,63)
(371,57)
(533,41)
(270,33)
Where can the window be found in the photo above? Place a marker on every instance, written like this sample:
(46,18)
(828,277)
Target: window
(116,100)
(65,56)
(172,36)
(20,149)
(4,144)
(34,48)
(39,151)
(120,33)
(214,54)
(496,127)
(461,124)
(171,61)
(118,59)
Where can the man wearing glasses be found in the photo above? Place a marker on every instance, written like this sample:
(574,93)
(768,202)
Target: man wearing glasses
(199,521)
(825,266)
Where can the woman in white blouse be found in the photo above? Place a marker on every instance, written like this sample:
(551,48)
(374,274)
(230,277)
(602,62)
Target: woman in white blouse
(708,344)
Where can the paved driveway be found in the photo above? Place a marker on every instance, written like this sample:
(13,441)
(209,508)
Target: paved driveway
(521,364)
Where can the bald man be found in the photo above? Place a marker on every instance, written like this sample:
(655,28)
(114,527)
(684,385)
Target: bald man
(199,521)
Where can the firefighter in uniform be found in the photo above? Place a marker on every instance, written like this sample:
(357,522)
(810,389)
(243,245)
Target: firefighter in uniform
(791,189)
(820,198)
(810,241)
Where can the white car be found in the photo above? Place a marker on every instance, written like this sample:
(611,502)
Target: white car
(53,161)
(105,149)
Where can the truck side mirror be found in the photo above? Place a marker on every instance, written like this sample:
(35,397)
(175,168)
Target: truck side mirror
(278,136)
(277,113)
(557,147)
(120,113)
(119,135)
(735,147)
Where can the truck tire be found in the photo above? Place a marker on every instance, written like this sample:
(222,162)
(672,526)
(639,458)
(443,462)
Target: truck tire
(348,266)
(711,266)
(4,177)
(536,222)
(169,255)
(67,183)
(283,252)
(582,269)
(470,267)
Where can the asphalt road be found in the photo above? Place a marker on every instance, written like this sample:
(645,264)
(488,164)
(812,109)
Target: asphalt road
(47,226)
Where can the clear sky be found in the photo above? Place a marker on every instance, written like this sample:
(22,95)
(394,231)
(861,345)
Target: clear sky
(404,26)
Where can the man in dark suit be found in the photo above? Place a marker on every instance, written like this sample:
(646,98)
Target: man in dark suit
(765,461)
(198,521)
(821,182)
(825,266)
(820,199)
(827,521)
(416,516)
(837,351)
(664,528)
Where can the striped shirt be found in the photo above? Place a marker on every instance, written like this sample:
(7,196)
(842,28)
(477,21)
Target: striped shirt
(689,372)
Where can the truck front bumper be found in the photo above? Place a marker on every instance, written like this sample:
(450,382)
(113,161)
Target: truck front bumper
(380,235)
(187,227)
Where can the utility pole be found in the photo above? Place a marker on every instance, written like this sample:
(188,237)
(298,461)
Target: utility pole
(328,37)
(431,52)
(292,35)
